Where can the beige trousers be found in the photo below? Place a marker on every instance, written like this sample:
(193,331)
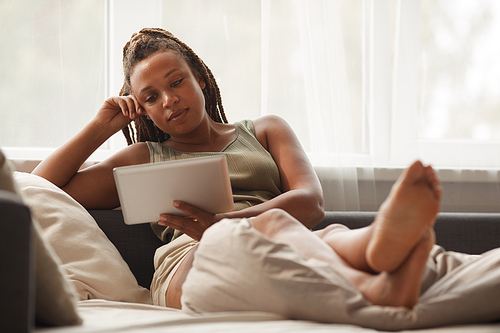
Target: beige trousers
(167,260)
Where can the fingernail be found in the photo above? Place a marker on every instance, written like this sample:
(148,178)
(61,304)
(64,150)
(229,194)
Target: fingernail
(176,204)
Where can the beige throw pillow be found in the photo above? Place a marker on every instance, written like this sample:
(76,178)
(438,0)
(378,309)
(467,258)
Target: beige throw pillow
(91,261)
(55,295)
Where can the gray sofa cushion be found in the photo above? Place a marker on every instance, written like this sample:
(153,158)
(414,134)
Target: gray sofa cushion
(472,233)
(136,243)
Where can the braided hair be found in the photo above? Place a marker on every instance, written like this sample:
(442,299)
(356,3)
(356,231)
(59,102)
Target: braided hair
(142,45)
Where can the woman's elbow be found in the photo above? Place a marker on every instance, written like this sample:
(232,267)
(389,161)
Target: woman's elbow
(315,212)
(319,216)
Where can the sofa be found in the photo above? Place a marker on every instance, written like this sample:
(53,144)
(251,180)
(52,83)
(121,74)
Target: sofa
(472,233)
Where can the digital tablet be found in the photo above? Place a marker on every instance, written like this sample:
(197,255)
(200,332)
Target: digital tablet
(148,190)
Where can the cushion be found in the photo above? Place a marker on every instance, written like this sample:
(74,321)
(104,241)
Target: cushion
(54,293)
(91,261)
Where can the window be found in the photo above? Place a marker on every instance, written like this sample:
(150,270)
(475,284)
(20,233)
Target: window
(256,50)
(446,96)
(362,82)
(459,74)
(52,72)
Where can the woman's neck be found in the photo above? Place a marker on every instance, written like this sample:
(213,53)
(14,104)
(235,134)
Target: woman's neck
(216,138)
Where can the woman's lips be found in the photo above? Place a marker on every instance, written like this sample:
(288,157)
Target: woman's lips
(178,115)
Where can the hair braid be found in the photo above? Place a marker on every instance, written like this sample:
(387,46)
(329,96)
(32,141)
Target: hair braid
(142,45)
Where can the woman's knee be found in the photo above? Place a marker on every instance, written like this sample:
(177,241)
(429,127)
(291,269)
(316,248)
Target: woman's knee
(273,220)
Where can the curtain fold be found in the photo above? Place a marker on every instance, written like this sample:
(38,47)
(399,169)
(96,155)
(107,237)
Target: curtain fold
(327,101)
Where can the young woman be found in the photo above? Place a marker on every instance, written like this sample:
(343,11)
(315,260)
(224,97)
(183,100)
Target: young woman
(174,102)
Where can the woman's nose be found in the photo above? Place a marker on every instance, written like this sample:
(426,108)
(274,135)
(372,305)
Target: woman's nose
(169,100)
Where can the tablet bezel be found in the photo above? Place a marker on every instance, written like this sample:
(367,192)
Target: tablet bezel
(148,190)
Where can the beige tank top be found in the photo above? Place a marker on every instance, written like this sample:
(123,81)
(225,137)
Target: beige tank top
(253,173)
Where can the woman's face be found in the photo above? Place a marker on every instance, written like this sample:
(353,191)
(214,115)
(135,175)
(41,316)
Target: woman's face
(169,92)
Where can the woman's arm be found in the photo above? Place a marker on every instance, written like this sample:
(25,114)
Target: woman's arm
(302,195)
(94,187)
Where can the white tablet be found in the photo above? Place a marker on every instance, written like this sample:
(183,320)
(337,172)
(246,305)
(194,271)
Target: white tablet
(148,190)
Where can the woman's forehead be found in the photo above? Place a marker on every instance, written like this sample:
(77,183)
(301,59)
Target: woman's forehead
(158,63)
(160,59)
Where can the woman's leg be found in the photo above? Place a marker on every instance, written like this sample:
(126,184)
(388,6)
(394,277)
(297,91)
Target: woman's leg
(174,289)
(409,210)
(350,244)
(398,288)
(281,226)
(397,243)
(402,286)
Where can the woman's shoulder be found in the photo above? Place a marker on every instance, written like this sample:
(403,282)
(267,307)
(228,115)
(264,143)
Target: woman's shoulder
(264,126)
(136,153)
(262,123)
(269,121)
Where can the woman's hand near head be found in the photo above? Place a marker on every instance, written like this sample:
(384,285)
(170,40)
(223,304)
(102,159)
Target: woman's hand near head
(94,187)
(117,112)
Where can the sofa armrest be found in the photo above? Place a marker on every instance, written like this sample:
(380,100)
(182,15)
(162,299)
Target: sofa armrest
(17,306)
(472,233)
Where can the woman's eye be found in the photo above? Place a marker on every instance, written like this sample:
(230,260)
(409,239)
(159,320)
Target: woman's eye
(176,83)
(151,99)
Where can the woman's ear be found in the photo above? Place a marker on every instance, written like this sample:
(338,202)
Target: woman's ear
(202,84)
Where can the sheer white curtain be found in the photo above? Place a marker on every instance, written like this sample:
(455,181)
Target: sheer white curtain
(447,74)
(445,97)
(288,57)
(367,85)
(320,107)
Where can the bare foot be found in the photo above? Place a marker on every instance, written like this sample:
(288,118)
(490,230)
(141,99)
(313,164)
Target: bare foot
(410,209)
(401,287)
